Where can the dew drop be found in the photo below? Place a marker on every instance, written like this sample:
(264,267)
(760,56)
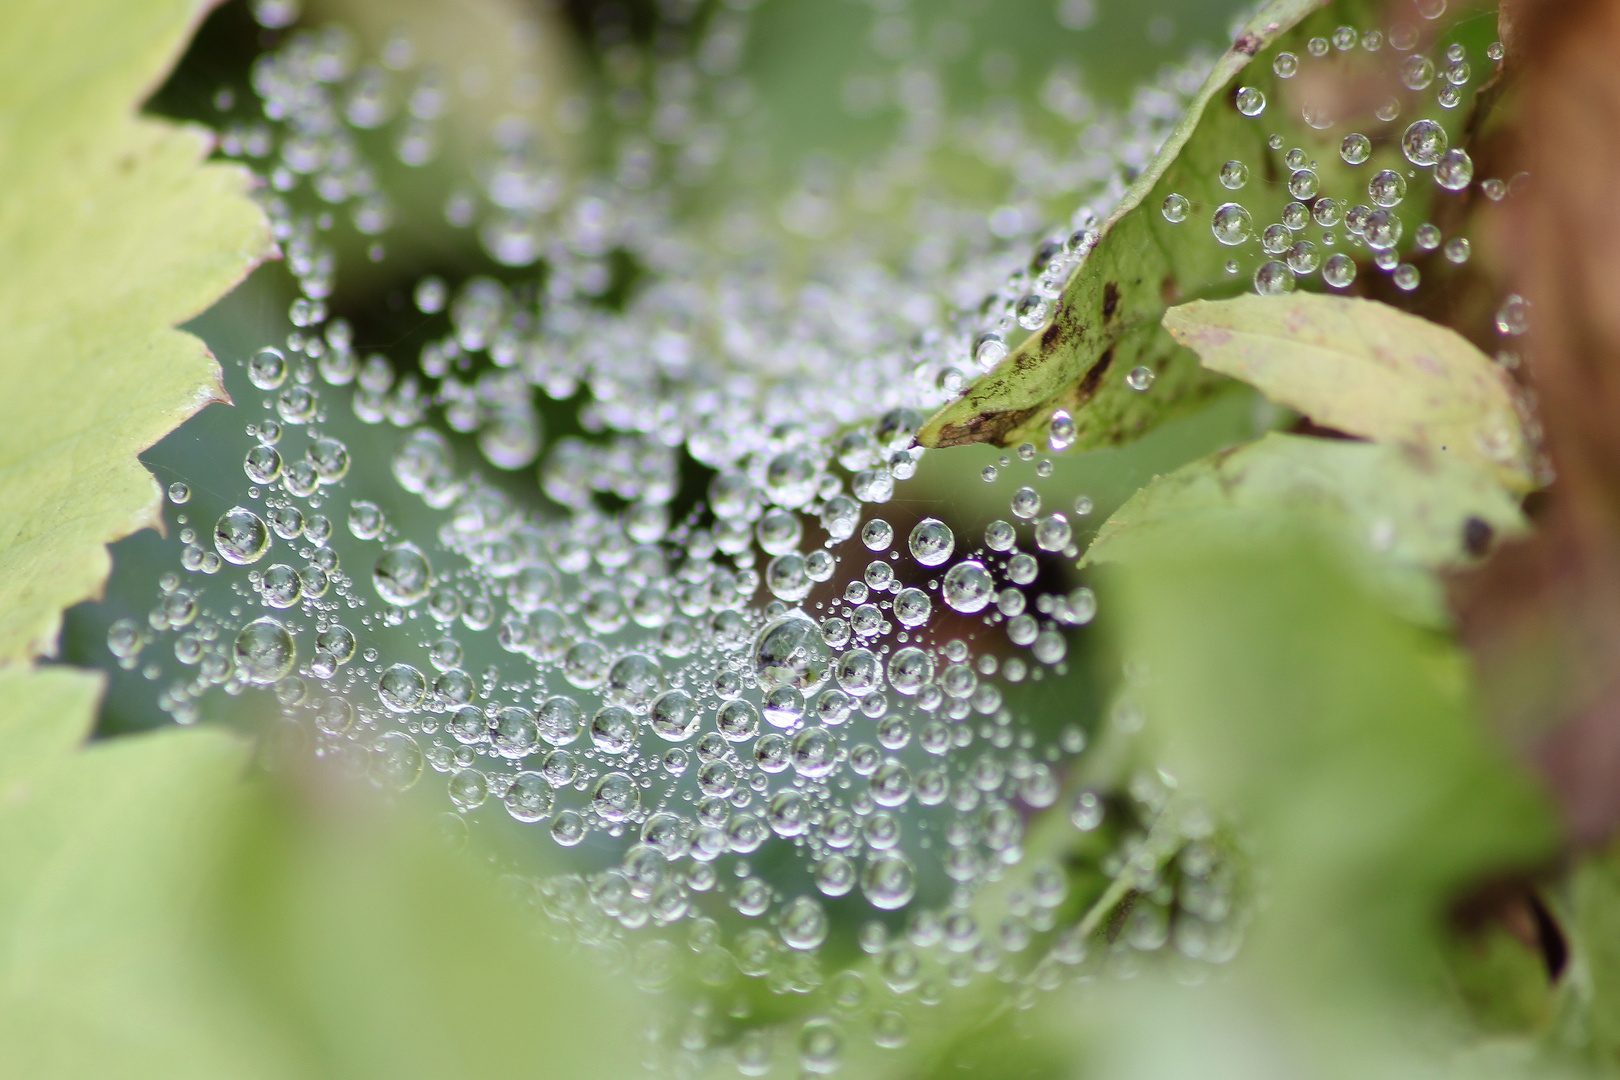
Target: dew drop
(1232,225)
(1424,143)
(1355,149)
(1339,271)
(265,651)
(403,575)
(267,369)
(241,537)
(968,587)
(931,542)
(889,880)
(1455,170)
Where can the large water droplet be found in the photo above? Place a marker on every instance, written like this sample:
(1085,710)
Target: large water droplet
(403,575)
(968,587)
(790,651)
(889,881)
(931,542)
(241,536)
(265,651)
(1232,225)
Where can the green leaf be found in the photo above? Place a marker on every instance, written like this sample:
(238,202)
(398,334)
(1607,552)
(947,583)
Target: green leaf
(1396,515)
(107,852)
(163,916)
(1107,321)
(1341,738)
(113,230)
(1590,992)
(1370,370)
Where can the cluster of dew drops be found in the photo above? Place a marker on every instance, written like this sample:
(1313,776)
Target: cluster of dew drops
(804,671)
(1367,220)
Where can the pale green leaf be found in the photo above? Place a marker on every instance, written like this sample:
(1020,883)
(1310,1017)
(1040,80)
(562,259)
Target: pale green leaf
(1342,739)
(1367,369)
(1397,514)
(163,915)
(108,852)
(113,230)
(1107,320)
(1590,992)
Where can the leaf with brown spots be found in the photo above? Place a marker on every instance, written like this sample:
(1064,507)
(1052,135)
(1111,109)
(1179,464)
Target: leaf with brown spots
(1106,323)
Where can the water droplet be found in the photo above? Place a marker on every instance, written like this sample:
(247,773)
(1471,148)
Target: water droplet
(1455,170)
(1387,188)
(281,587)
(529,798)
(1175,209)
(931,542)
(1032,311)
(1417,72)
(403,575)
(988,350)
(1382,230)
(1250,101)
(1273,279)
(560,720)
(397,760)
(615,797)
(790,651)
(1423,143)
(1513,317)
(267,369)
(889,880)
(804,923)
(1232,225)
(1285,66)
(1303,258)
(241,537)
(265,651)
(1355,149)
(1140,378)
(968,587)
(401,688)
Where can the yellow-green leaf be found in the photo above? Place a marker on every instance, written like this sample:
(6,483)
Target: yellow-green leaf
(1397,515)
(164,915)
(1367,369)
(112,230)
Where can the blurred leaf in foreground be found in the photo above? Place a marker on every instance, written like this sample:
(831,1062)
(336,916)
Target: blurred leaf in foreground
(161,916)
(1592,992)
(1367,369)
(113,231)
(1396,514)
(1341,738)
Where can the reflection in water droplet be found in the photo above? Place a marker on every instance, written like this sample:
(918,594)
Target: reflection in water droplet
(265,651)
